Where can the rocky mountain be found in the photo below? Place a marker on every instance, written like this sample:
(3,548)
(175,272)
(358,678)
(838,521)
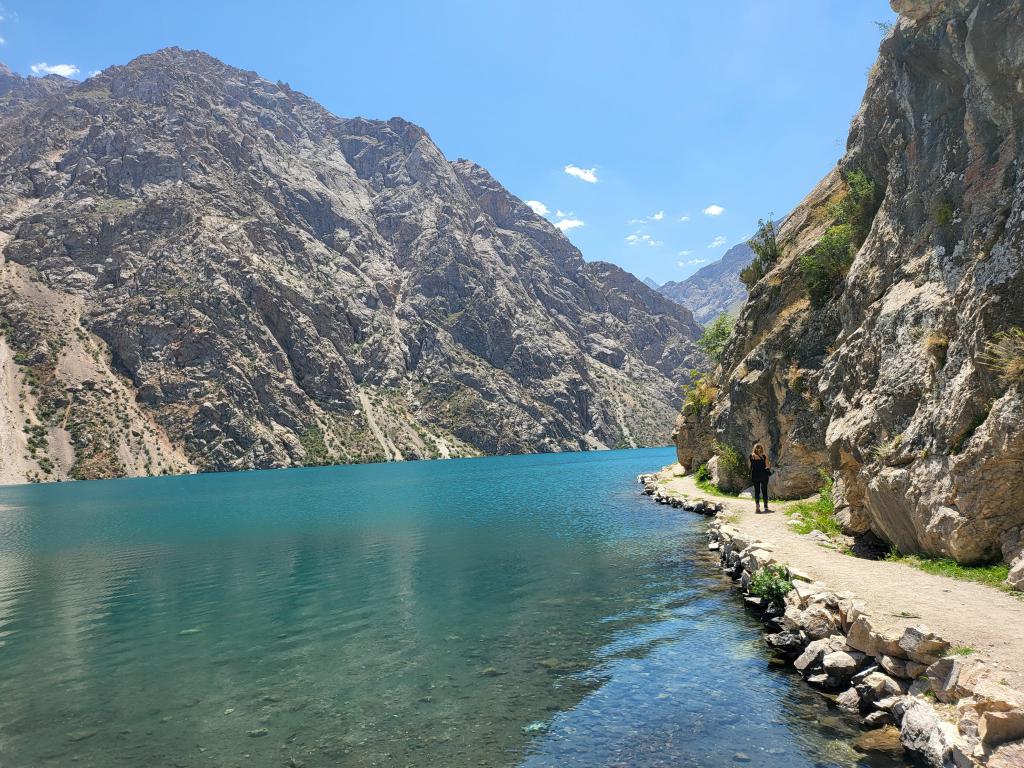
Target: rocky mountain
(880,344)
(206,270)
(16,91)
(713,289)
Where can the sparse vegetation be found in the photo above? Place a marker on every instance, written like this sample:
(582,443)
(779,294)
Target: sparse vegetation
(1004,354)
(765,245)
(828,262)
(992,575)
(961,440)
(771,584)
(819,514)
(312,441)
(883,450)
(962,650)
(943,213)
(716,335)
(936,343)
(699,394)
(702,479)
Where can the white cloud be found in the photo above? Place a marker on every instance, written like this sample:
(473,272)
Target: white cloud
(657,216)
(638,239)
(2,41)
(564,215)
(684,218)
(566,224)
(685,253)
(64,70)
(535,205)
(588,175)
(714,210)
(698,261)
(94,73)
(718,242)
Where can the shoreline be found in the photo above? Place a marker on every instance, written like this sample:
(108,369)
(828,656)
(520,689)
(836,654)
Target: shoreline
(910,685)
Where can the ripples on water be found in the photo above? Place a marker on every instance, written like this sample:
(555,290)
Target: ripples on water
(526,611)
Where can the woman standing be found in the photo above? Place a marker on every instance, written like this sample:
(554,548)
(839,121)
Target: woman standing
(760,471)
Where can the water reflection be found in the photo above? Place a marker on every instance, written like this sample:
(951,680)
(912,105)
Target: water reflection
(305,616)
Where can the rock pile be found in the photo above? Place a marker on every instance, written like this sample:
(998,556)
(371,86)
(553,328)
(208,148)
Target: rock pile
(661,496)
(949,710)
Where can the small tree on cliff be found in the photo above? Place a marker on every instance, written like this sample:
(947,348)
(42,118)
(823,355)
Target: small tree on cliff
(715,336)
(765,245)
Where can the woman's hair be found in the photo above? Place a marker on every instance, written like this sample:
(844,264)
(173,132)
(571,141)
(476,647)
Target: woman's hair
(758,449)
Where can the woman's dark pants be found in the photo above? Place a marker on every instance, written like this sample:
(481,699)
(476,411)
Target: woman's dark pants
(761,490)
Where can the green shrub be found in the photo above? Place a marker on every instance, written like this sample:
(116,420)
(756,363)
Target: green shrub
(715,336)
(312,441)
(944,214)
(730,463)
(765,245)
(703,474)
(819,514)
(1004,354)
(699,394)
(771,584)
(828,262)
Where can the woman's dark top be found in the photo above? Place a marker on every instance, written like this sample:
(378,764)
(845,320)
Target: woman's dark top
(758,468)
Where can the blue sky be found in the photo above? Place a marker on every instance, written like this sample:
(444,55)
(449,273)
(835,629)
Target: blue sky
(680,123)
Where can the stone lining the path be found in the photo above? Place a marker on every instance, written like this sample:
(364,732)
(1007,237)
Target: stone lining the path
(948,709)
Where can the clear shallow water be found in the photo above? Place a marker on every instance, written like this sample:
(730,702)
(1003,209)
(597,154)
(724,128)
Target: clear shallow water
(529,610)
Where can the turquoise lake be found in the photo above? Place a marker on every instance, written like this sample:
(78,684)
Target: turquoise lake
(528,610)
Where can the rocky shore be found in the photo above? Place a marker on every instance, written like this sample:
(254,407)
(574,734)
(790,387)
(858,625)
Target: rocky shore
(908,684)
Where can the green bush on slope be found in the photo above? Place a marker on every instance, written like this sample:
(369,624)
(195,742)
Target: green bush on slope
(825,266)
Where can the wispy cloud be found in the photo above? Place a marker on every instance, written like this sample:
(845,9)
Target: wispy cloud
(64,70)
(566,224)
(638,239)
(690,262)
(535,205)
(2,40)
(657,216)
(685,253)
(95,72)
(718,242)
(714,210)
(684,218)
(588,175)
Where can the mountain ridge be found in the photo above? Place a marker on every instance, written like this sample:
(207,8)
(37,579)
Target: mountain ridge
(275,285)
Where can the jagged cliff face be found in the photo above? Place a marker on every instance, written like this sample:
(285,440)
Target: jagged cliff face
(273,285)
(884,384)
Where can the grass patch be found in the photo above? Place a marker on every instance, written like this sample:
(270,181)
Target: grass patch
(702,479)
(819,514)
(992,575)
(1004,354)
(962,650)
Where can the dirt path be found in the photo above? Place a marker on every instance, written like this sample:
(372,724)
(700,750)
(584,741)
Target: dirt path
(964,613)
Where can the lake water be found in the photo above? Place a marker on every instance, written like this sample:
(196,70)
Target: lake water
(530,610)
